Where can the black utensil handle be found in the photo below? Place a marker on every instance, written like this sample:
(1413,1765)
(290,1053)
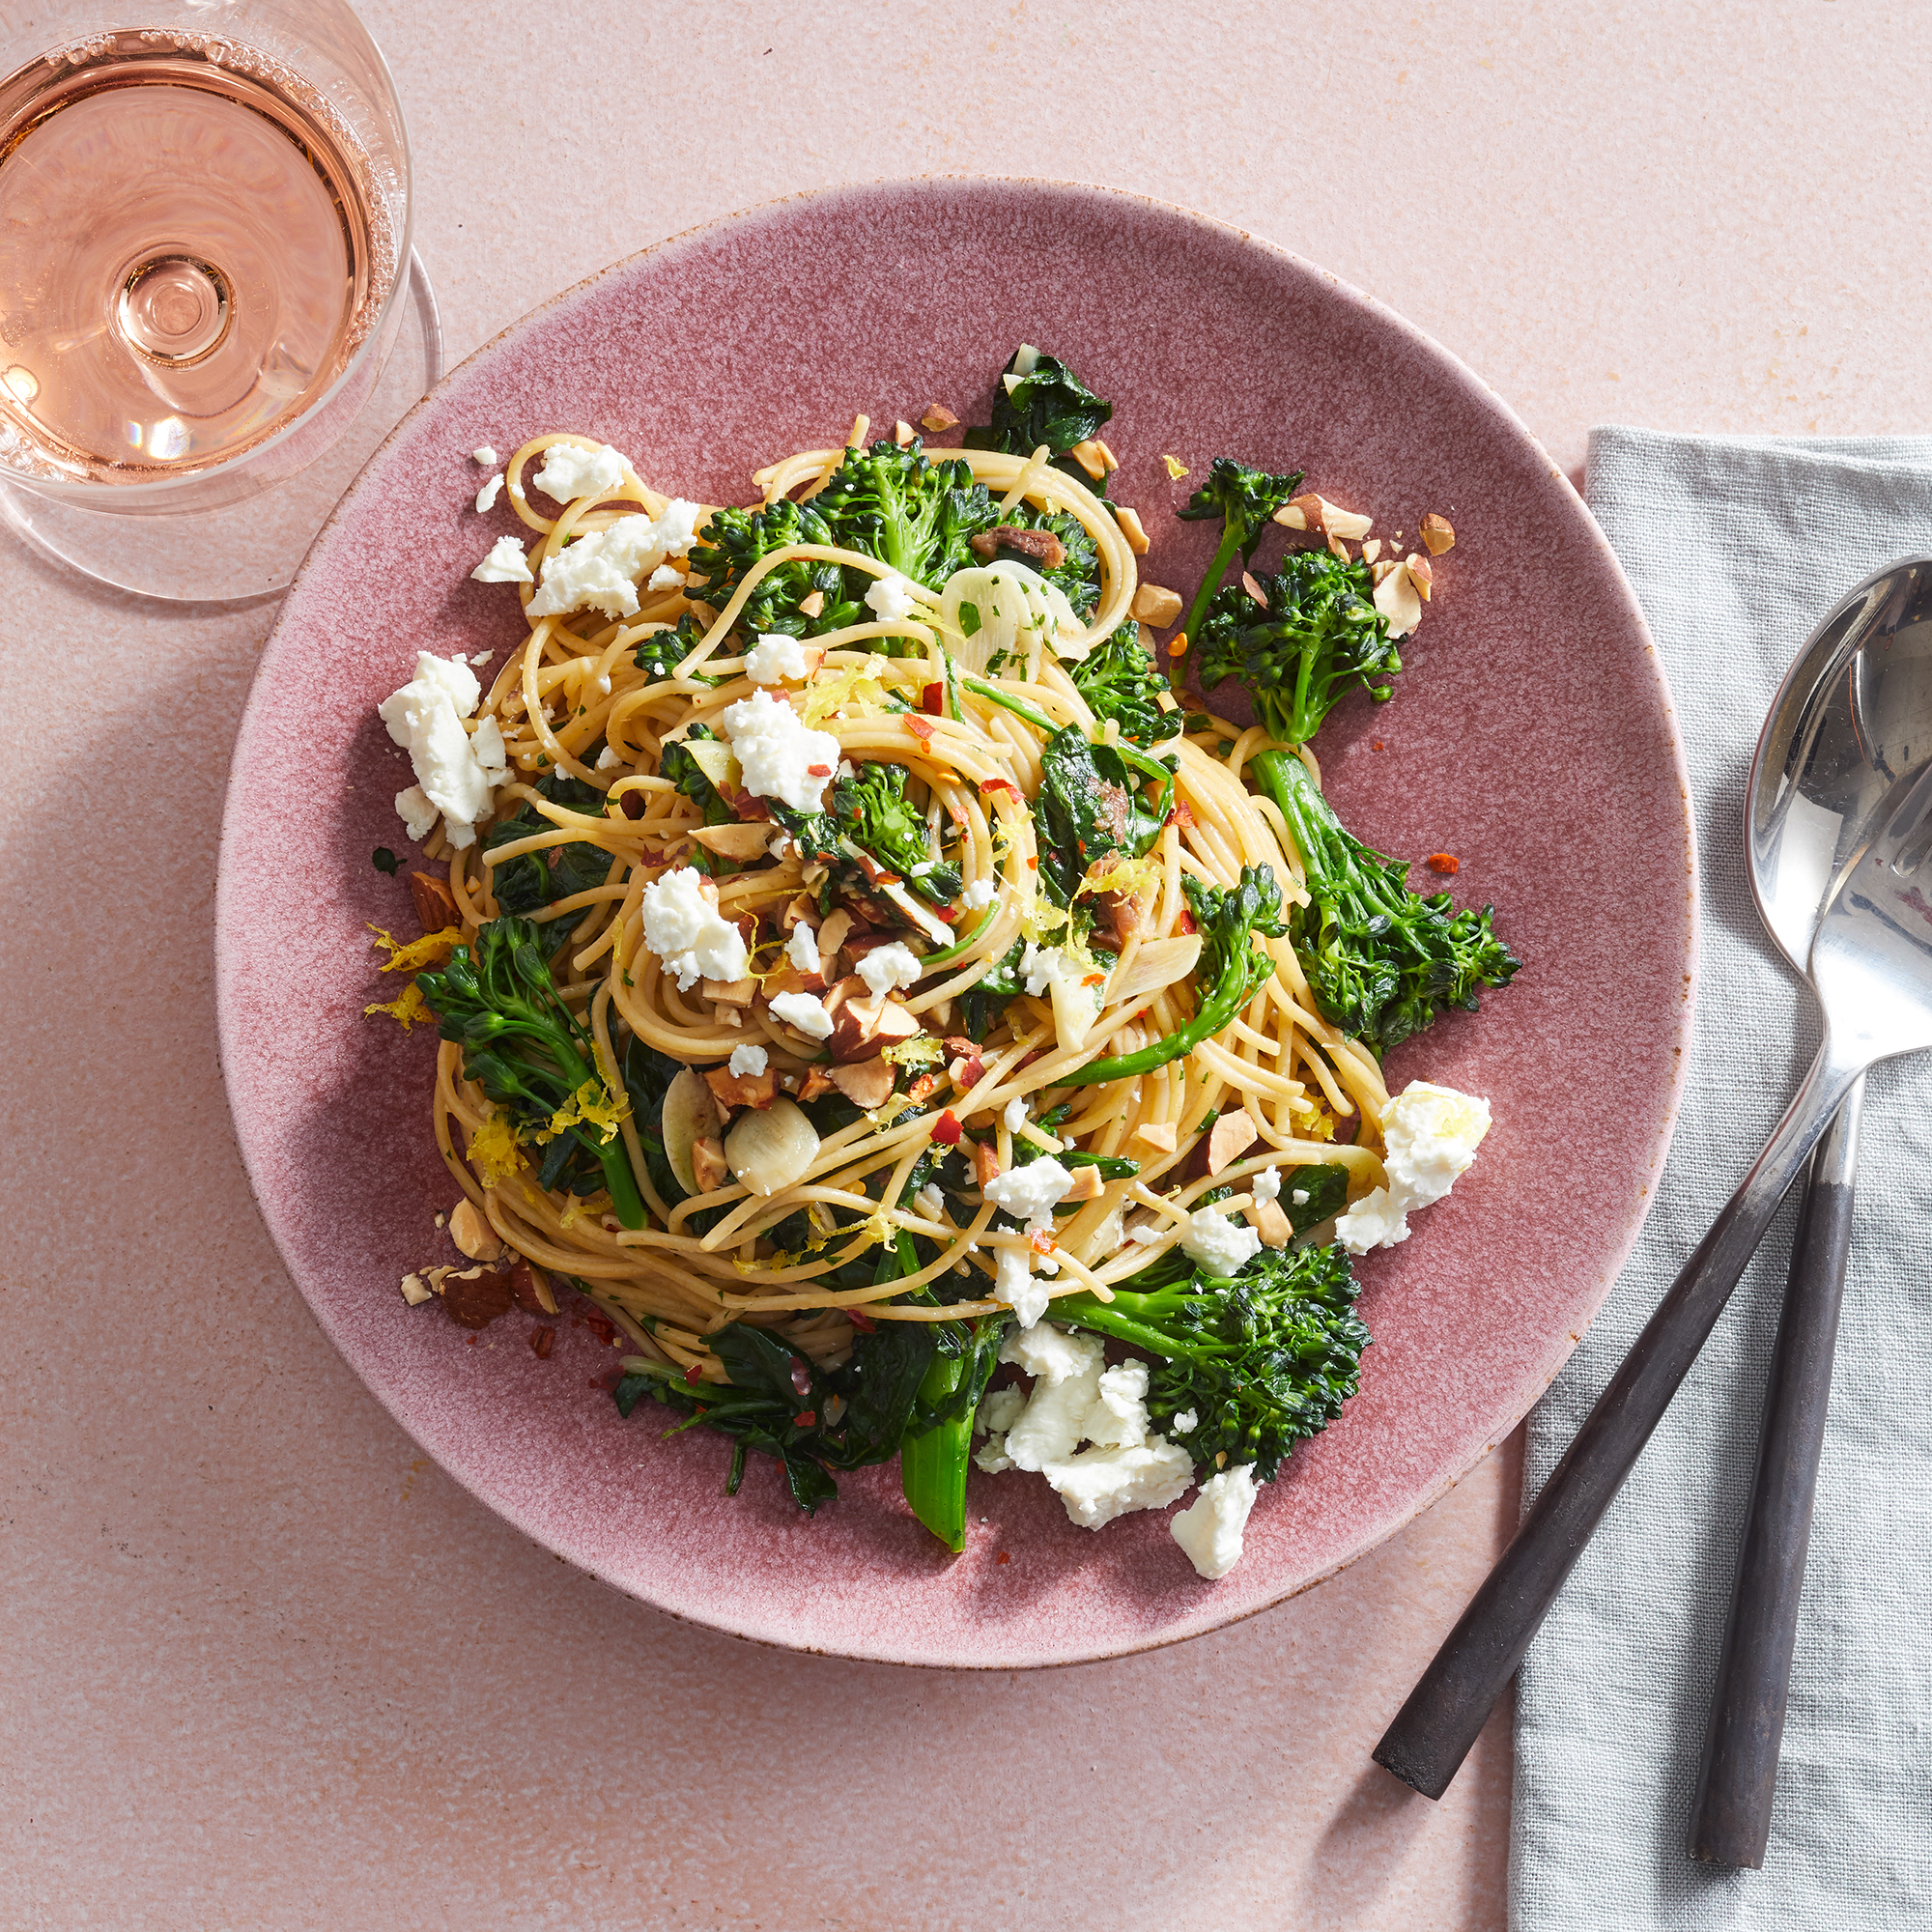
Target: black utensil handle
(1432,1733)
(1730,1819)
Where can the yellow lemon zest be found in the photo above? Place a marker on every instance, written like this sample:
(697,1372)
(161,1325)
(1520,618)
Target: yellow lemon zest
(493,1149)
(1176,468)
(433,948)
(1131,878)
(1313,1118)
(921,1050)
(406,1008)
(593,1105)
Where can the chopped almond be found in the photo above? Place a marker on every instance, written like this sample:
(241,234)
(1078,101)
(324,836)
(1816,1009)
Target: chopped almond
(832,933)
(1155,1134)
(1397,601)
(1341,523)
(742,1090)
(476,1296)
(1311,512)
(1438,534)
(1419,572)
(861,1028)
(729,992)
(1253,588)
(787,979)
(1337,547)
(1087,1183)
(1234,1134)
(1095,457)
(1131,528)
(434,902)
(1372,550)
(470,1230)
(812,605)
(985,1162)
(1153,603)
(817,1081)
(1386,568)
(708,1163)
(938,419)
(1270,1223)
(800,907)
(865,1083)
(744,839)
(531,1290)
(416,1291)
(903,433)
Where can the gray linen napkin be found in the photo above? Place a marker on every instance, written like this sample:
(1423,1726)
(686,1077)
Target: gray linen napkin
(1737,547)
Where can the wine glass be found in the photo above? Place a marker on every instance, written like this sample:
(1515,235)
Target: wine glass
(209,309)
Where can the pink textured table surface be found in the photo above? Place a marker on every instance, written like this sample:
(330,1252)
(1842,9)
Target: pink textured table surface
(262,1667)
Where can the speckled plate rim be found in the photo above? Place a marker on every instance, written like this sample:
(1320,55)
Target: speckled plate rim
(1454,370)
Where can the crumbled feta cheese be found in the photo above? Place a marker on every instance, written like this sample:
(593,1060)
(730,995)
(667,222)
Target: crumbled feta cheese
(747,1059)
(664,576)
(1118,1417)
(1218,1244)
(1431,1134)
(1098,1485)
(1066,1384)
(570,471)
(891,598)
(687,931)
(607,761)
(978,895)
(1028,1193)
(929,1202)
(485,455)
(1267,1185)
(1065,976)
(1299,1198)
(600,570)
(1185,1423)
(803,1011)
(486,497)
(1016,1284)
(1209,1528)
(1054,1353)
(802,947)
(774,658)
(886,968)
(1015,1115)
(1002,1407)
(847,770)
(775,751)
(425,717)
(506,563)
(417,814)
(1146,1233)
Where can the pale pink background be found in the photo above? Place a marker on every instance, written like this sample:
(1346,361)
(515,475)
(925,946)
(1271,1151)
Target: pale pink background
(264,1666)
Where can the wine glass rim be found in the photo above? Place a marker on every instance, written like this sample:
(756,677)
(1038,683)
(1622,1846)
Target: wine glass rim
(136,497)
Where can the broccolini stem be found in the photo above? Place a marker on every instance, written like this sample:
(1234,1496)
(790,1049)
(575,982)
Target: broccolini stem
(932,1467)
(1224,555)
(1018,706)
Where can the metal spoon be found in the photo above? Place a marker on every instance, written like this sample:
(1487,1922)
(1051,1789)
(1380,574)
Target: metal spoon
(1840,735)
(1871,968)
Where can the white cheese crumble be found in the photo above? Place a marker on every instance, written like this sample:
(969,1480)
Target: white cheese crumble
(886,968)
(1431,1134)
(1267,1185)
(1015,1115)
(1028,1193)
(891,599)
(1185,1422)
(1218,1244)
(455,772)
(774,658)
(600,571)
(506,563)
(1299,1198)
(1016,1285)
(1210,1527)
(747,1059)
(417,814)
(486,497)
(1146,1233)
(570,471)
(978,895)
(687,931)
(776,751)
(803,1011)
(802,947)
(485,455)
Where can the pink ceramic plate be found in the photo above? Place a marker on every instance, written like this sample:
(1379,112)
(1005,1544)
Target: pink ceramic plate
(1531,735)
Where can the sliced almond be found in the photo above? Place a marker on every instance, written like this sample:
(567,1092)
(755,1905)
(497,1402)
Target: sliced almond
(709,1172)
(787,979)
(865,1083)
(1232,1135)
(470,1230)
(1087,1183)
(903,433)
(729,992)
(1419,572)
(1372,550)
(689,1115)
(832,932)
(769,1149)
(531,1290)
(812,605)
(1252,587)
(1270,1223)
(938,419)
(1397,599)
(1294,514)
(1437,533)
(1311,512)
(1341,523)
(1386,568)
(1159,963)
(742,1090)
(745,841)
(434,902)
(800,907)
(1155,604)
(416,1291)
(985,1162)
(1131,528)
(1155,1134)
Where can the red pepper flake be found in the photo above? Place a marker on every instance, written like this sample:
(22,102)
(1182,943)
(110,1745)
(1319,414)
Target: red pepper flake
(806,1419)
(1095,979)
(603,1327)
(1375,745)
(918,727)
(474,1339)
(1003,1558)
(860,1320)
(945,1130)
(818,771)
(1185,921)
(1006,785)
(933,699)
(542,1342)
(1033,865)
(597,1386)
(692,1374)
(1445,863)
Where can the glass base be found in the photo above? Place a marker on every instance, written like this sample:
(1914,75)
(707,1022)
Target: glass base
(251,549)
